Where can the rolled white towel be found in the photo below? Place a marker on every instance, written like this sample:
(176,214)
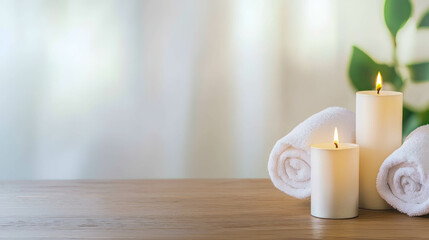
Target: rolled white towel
(289,163)
(403,177)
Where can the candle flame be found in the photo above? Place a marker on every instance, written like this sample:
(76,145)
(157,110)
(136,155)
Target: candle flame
(379,83)
(336,141)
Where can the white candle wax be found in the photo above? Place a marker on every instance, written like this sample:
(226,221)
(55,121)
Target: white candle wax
(334,180)
(378,134)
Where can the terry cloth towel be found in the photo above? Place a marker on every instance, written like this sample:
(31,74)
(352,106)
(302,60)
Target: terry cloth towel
(403,177)
(289,164)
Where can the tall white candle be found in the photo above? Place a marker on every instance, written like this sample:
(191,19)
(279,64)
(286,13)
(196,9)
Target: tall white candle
(378,134)
(334,180)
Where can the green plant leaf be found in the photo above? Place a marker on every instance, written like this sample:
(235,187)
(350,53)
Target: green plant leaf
(425,21)
(396,14)
(413,119)
(424,117)
(409,121)
(407,113)
(419,72)
(363,72)
(390,76)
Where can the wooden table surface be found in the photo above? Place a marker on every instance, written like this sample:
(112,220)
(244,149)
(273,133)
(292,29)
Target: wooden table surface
(180,209)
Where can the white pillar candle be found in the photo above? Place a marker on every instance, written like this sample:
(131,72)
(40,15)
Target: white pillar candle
(334,180)
(378,134)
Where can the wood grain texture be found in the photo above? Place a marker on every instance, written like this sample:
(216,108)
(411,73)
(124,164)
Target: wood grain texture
(180,209)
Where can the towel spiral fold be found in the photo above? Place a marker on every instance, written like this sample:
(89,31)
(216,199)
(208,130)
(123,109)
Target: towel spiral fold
(289,164)
(403,178)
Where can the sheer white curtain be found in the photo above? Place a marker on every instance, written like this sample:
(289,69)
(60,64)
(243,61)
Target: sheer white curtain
(169,89)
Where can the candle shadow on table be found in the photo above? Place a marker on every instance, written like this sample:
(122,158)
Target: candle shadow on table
(330,228)
(371,220)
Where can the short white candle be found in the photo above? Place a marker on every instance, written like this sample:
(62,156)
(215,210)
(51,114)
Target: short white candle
(334,180)
(378,134)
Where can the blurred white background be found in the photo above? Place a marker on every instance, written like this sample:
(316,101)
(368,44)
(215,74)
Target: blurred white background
(172,89)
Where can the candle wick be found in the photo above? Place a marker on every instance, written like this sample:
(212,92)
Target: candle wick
(378,91)
(336,145)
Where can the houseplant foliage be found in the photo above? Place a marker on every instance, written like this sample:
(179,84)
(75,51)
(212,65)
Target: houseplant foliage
(363,69)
